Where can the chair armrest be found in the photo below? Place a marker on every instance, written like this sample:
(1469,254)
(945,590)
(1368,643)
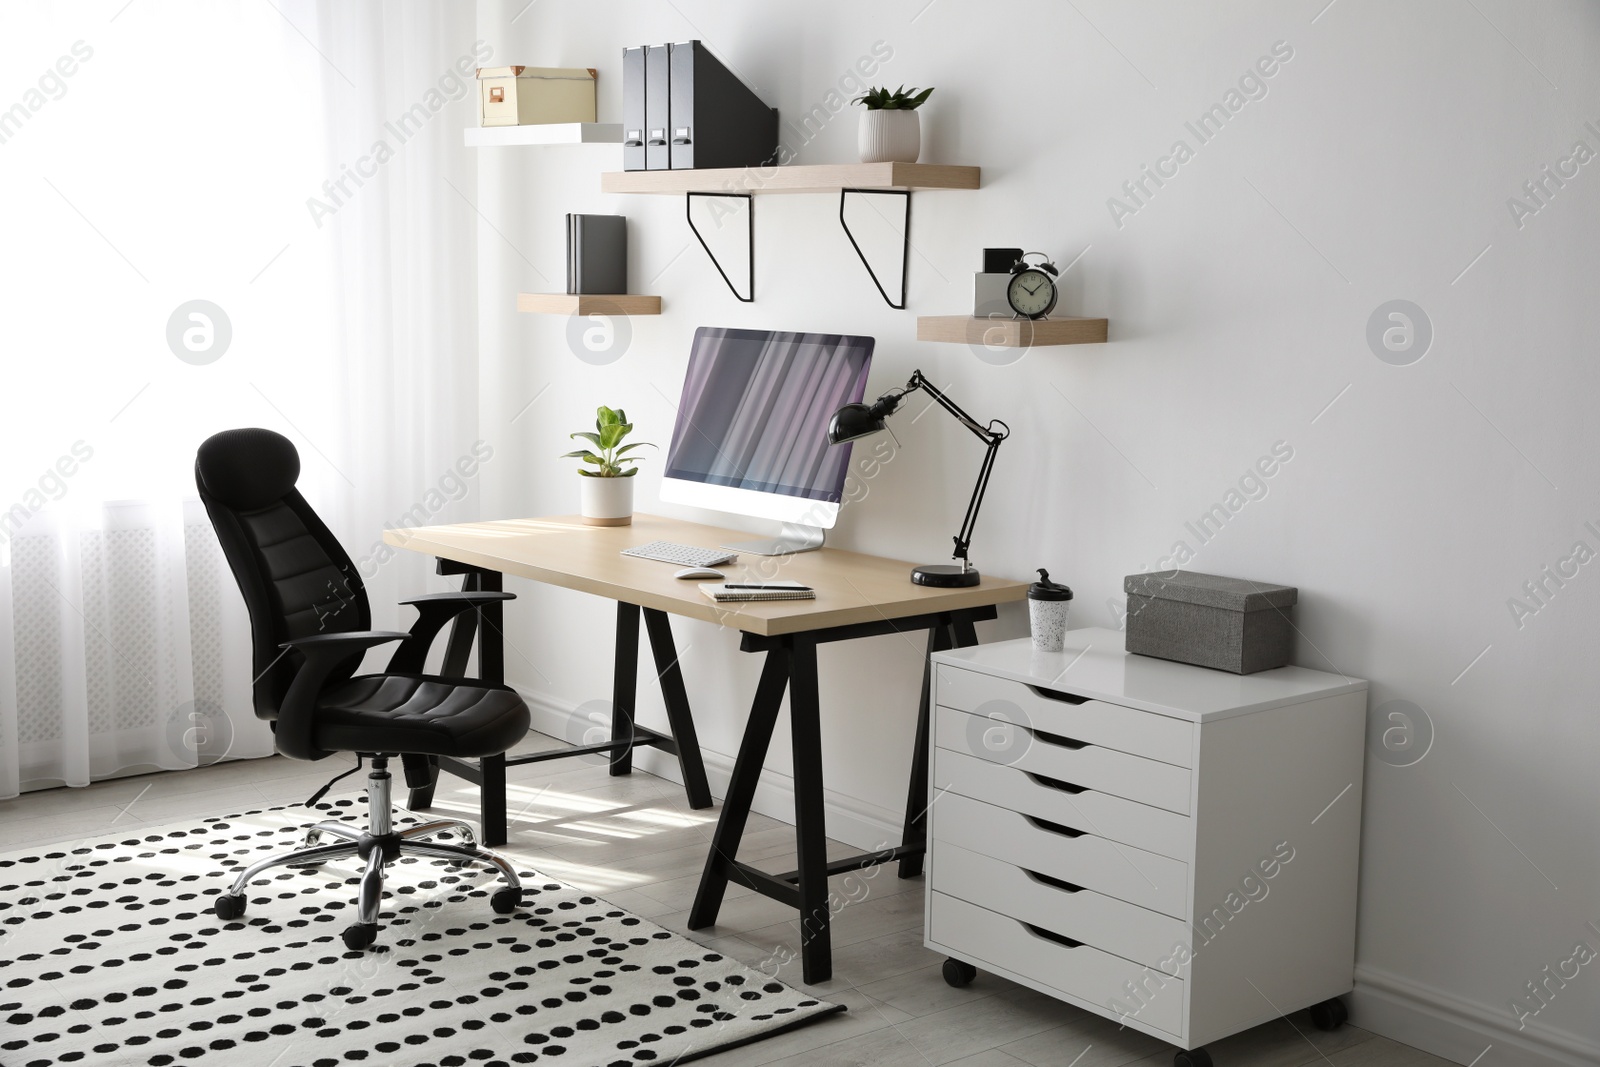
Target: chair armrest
(433,611)
(323,654)
(469,596)
(341,645)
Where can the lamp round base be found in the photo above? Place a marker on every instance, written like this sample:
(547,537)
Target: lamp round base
(944,575)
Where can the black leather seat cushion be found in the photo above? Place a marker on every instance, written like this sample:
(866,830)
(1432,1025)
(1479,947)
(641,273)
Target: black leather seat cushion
(418,713)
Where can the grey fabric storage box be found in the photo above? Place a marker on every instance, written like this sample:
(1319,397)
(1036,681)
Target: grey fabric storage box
(1231,624)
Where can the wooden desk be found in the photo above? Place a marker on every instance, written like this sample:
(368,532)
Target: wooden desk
(857,596)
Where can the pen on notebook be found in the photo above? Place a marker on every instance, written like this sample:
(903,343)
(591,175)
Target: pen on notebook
(790,586)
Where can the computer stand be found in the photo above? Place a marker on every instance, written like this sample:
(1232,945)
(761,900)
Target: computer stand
(792,537)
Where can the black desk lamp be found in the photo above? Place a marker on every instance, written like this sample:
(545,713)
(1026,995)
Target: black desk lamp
(861,420)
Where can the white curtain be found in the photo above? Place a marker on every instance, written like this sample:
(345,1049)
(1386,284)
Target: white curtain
(215,215)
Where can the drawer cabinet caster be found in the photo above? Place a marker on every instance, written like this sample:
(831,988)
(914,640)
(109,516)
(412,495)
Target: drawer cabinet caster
(1198,1057)
(959,974)
(1329,1015)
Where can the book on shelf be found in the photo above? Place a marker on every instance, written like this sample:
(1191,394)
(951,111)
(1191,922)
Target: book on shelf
(597,254)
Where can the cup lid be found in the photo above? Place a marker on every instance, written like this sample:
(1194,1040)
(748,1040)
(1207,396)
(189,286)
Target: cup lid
(1045,589)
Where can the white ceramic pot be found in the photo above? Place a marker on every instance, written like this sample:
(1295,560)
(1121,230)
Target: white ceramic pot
(890,137)
(606,501)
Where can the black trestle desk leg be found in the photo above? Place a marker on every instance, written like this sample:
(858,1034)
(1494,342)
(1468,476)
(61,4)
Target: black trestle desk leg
(462,630)
(491,624)
(966,634)
(624,686)
(492,670)
(458,649)
(915,835)
(492,793)
(741,789)
(421,798)
(811,837)
(670,674)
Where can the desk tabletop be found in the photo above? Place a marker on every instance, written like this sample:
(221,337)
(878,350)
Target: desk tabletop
(562,550)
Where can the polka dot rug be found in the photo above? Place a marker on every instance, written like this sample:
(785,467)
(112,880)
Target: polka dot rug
(110,954)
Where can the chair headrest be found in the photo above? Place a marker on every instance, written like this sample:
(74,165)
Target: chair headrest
(247,469)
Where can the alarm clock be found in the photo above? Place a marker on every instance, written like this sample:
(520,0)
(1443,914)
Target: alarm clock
(1032,292)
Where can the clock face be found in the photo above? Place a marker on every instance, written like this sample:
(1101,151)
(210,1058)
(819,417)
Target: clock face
(1031,293)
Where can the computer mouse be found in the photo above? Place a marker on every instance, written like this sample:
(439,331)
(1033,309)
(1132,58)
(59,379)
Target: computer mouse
(699,572)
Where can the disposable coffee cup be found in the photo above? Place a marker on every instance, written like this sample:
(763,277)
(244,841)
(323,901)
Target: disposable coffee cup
(1047,613)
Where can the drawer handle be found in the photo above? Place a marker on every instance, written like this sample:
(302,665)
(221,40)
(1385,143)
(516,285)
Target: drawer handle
(1057,739)
(1065,698)
(1057,883)
(1050,935)
(1056,783)
(1053,827)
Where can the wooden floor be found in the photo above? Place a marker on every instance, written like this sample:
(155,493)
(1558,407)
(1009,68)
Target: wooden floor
(636,842)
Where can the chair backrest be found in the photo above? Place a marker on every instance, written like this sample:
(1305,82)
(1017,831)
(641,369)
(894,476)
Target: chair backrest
(296,579)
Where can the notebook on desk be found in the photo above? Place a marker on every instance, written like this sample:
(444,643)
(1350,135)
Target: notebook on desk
(731,592)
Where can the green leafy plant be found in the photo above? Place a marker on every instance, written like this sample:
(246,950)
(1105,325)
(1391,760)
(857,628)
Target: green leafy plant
(877,99)
(606,451)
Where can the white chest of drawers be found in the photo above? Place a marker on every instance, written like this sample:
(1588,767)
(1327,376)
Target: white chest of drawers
(1172,847)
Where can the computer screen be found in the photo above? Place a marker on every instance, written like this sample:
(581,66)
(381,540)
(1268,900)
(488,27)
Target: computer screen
(752,428)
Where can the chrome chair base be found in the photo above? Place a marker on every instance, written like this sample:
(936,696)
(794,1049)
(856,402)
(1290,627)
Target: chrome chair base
(379,845)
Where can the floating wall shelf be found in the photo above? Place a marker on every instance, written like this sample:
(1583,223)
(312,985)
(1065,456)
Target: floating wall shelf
(543,133)
(821,178)
(1011,333)
(588,304)
(744,183)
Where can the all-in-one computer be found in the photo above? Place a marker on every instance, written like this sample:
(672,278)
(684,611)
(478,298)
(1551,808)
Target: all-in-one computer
(751,436)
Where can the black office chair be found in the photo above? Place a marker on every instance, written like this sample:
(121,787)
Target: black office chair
(310,625)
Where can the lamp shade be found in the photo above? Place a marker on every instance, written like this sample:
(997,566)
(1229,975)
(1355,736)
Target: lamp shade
(853,421)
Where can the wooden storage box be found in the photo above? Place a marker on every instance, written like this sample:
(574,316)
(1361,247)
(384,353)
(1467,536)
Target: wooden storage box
(528,96)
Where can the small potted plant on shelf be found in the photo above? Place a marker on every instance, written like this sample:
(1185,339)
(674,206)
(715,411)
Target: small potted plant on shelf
(890,131)
(607,493)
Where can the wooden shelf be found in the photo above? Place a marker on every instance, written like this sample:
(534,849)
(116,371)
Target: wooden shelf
(588,304)
(543,133)
(1011,333)
(822,178)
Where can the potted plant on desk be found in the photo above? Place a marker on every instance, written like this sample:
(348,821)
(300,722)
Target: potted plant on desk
(607,493)
(891,131)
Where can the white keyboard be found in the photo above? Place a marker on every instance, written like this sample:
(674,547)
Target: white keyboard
(683,555)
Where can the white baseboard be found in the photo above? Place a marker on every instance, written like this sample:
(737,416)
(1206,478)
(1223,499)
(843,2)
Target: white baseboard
(1458,1029)
(868,827)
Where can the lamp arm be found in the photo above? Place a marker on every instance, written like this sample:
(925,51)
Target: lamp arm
(991,434)
(978,429)
(964,538)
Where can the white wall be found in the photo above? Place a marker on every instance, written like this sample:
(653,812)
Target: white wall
(1377,166)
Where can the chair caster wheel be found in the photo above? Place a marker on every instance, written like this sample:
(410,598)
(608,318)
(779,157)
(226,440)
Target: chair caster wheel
(959,974)
(228,906)
(1198,1057)
(505,901)
(1329,1015)
(360,936)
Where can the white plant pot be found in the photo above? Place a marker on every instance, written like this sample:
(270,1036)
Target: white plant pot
(606,501)
(890,137)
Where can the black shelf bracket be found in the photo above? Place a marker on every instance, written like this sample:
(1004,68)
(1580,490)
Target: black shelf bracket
(905,241)
(750,235)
